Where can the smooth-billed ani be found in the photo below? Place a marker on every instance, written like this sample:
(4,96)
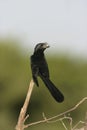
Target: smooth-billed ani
(39,68)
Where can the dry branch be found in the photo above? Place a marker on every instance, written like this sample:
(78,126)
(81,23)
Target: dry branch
(22,116)
(60,117)
(46,120)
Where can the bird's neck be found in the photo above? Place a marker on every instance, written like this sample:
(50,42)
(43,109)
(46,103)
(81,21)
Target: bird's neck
(39,53)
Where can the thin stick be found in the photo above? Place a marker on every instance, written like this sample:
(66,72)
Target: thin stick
(57,116)
(22,116)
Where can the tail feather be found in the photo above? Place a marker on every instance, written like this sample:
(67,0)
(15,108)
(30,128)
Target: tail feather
(55,92)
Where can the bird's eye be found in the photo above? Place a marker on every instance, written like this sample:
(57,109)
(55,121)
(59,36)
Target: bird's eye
(41,45)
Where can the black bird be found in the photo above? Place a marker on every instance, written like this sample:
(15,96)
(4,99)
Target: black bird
(39,68)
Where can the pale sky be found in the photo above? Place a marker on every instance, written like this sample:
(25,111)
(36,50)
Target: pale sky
(61,23)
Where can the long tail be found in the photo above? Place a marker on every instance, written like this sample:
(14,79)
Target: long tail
(58,96)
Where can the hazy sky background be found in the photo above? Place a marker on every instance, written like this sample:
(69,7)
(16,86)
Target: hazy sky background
(61,23)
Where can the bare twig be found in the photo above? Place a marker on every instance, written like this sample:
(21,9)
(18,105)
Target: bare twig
(46,120)
(60,117)
(64,125)
(22,116)
(80,122)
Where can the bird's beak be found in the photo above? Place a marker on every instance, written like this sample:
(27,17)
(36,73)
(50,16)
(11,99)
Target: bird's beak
(46,45)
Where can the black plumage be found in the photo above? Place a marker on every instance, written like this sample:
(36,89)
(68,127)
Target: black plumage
(39,68)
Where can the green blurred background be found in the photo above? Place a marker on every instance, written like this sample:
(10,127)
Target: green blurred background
(68,74)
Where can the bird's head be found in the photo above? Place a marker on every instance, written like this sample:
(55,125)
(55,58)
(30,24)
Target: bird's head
(41,47)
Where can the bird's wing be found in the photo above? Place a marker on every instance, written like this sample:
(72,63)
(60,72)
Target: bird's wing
(35,71)
(43,68)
